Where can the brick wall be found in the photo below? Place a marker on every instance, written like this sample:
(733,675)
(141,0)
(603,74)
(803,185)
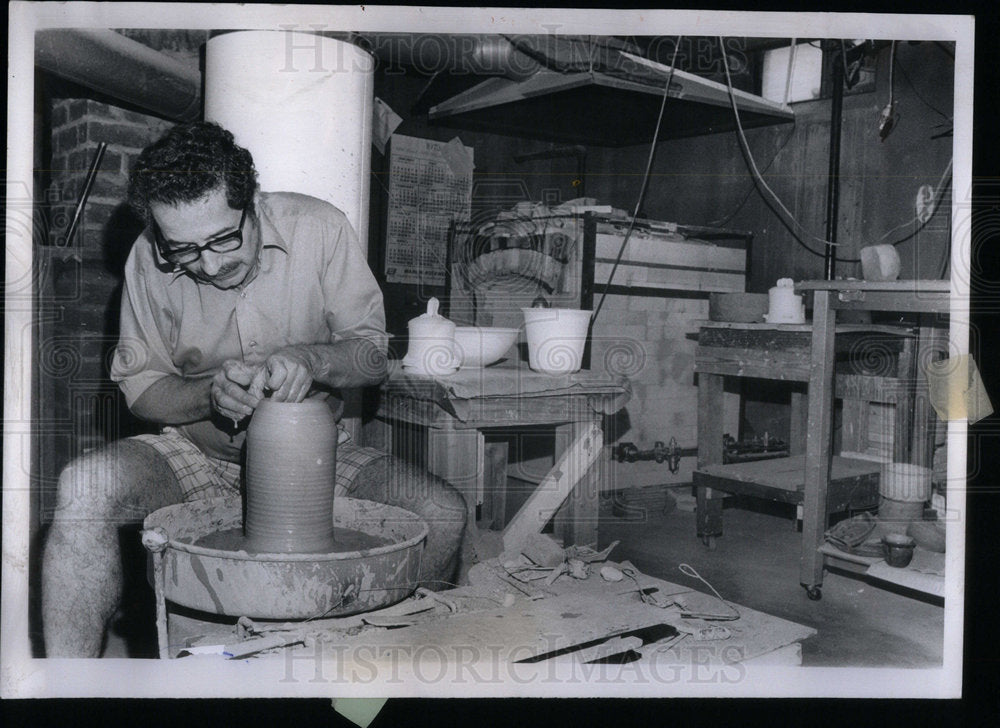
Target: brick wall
(80,280)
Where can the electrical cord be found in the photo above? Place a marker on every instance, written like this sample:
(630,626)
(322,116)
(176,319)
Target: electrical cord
(790,71)
(688,570)
(887,116)
(752,186)
(892,74)
(913,87)
(645,180)
(943,184)
(748,156)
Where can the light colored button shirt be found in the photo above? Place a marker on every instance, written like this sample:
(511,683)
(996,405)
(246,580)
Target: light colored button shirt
(313,287)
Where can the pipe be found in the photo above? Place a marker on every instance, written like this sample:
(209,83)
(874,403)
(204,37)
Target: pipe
(127,70)
(833,186)
(482,55)
(82,203)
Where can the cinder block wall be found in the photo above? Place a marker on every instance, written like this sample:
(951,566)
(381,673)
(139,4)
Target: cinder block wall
(664,403)
(646,339)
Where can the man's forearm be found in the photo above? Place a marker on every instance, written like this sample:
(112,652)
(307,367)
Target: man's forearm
(175,400)
(349,363)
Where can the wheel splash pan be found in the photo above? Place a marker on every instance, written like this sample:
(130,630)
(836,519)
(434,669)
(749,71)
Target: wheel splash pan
(287,586)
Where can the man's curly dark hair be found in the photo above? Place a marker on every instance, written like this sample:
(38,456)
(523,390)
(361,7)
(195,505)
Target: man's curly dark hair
(187,163)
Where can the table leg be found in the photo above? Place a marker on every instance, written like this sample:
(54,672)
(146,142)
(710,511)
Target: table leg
(457,456)
(798,410)
(495,483)
(818,449)
(710,448)
(576,521)
(924,417)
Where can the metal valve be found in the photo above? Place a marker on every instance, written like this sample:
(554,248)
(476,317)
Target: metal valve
(627,452)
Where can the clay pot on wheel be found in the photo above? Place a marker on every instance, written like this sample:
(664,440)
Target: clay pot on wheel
(290,477)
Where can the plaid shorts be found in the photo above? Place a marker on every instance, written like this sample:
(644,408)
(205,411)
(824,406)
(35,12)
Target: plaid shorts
(202,476)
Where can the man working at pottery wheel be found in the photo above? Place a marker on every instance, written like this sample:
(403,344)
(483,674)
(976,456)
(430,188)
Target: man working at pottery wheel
(231,294)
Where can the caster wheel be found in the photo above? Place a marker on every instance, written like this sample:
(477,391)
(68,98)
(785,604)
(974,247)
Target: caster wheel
(814,593)
(709,542)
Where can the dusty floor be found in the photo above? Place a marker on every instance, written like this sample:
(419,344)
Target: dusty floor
(755,563)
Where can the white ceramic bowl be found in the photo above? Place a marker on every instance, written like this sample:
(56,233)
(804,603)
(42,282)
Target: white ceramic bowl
(480,346)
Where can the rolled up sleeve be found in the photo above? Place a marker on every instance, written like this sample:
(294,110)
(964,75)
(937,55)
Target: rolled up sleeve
(141,357)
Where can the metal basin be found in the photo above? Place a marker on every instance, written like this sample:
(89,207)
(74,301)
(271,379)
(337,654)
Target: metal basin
(287,586)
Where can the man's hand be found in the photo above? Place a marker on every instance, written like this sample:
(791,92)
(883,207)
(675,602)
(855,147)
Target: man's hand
(287,374)
(231,392)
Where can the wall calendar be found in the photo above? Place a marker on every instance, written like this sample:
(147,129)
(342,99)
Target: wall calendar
(430,186)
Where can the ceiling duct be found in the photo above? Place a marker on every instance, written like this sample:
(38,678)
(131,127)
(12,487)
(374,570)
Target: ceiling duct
(124,69)
(593,92)
(474,55)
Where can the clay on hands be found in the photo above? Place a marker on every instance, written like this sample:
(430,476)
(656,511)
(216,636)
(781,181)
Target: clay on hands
(286,374)
(229,393)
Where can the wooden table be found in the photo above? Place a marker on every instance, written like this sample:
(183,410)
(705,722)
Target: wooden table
(806,353)
(924,297)
(440,422)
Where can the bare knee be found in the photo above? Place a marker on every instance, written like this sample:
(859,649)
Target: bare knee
(87,488)
(120,483)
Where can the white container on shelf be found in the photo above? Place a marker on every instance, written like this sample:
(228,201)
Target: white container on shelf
(431,348)
(556,338)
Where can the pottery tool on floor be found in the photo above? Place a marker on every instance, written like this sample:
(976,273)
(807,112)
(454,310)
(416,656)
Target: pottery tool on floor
(609,646)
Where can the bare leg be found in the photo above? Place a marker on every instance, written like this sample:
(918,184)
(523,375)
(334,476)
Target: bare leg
(81,567)
(394,481)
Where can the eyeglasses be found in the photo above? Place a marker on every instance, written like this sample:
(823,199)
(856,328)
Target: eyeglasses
(184,253)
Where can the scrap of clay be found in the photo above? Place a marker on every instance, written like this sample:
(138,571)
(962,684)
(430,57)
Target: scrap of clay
(578,569)
(610,573)
(542,550)
(956,390)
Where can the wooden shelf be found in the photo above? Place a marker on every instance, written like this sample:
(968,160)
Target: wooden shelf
(924,574)
(853,481)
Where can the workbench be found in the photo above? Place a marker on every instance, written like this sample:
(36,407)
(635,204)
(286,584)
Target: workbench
(921,297)
(812,477)
(520,629)
(441,423)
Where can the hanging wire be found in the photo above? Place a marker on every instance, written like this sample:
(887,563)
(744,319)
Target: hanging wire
(752,186)
(942,186)
(745,146)
(892,74)
(790,72)
(645,180)
(916,92)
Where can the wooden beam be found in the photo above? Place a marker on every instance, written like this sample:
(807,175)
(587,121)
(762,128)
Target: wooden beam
(555,487)
(818,455)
